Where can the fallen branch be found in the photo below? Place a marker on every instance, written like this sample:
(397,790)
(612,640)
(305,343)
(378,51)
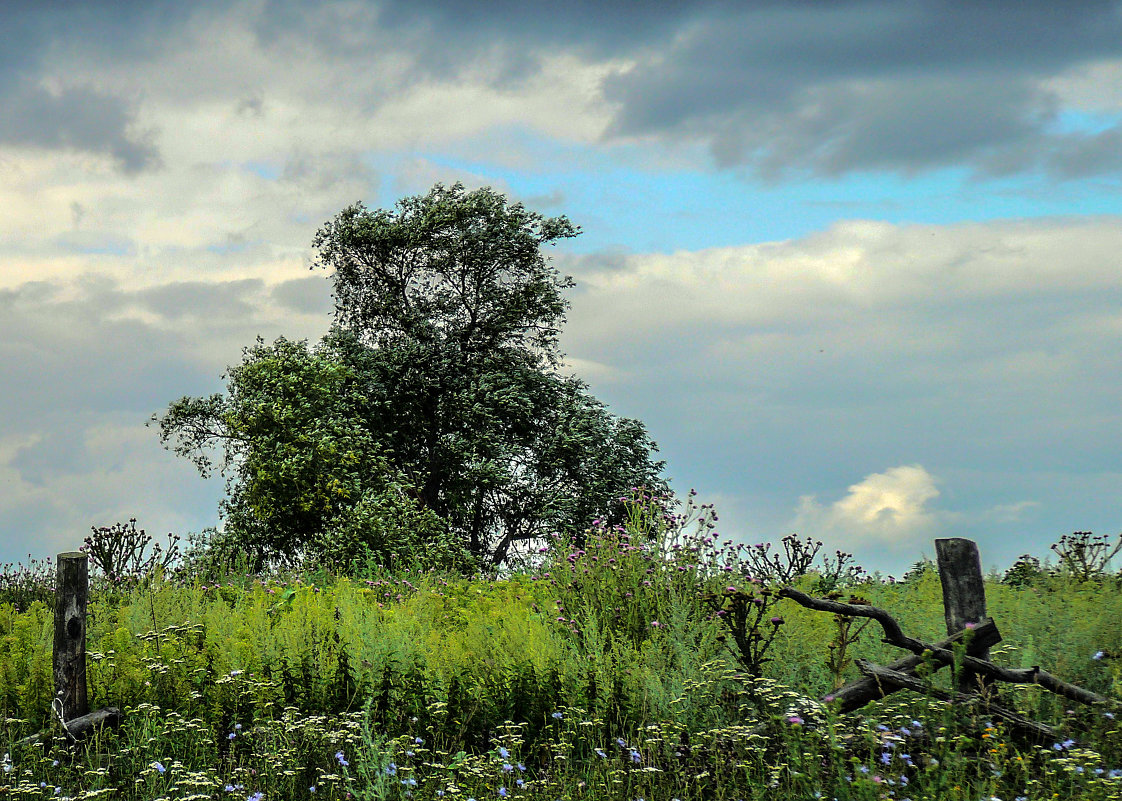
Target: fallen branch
(860,692)
(1038,732)
(81,727)
(894,635)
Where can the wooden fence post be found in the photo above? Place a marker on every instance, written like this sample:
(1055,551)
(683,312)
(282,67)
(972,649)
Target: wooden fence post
(71,593)
(964,593)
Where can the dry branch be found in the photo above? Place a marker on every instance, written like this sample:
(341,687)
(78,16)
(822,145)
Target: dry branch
(1037,731)
(893,635)
(860,692)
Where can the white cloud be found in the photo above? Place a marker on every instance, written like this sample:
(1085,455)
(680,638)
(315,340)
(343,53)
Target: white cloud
(890,508)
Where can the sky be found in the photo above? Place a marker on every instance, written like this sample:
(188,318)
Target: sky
(855,264)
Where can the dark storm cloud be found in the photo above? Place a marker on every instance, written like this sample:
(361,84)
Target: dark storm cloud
(871,85)
(782,86)
(779,87)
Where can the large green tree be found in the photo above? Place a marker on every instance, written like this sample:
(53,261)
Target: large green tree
(440,378)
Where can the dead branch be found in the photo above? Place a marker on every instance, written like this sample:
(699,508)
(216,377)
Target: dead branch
(1039,732)
(860,692)
(894,635)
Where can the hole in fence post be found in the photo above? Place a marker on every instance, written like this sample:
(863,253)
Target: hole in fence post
(71,593)
(964,593)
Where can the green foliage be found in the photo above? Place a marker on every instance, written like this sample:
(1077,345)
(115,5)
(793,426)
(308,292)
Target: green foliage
(424,682)
(435,400)
(299,457)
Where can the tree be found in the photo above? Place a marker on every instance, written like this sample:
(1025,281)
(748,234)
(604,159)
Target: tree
(440,378)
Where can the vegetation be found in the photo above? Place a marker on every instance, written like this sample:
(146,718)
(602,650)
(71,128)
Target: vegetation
(608,672)
(435,405)
(344,635)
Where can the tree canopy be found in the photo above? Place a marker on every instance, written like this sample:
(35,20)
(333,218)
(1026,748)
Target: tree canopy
(437,399)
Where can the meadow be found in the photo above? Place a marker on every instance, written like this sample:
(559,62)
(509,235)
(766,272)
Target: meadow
(612,671)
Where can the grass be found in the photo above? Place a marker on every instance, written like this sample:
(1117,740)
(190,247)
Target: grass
(608,673)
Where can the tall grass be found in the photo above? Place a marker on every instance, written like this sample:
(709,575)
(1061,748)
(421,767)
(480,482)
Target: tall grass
(609,672)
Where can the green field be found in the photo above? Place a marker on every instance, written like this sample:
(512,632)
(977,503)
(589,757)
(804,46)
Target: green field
(602,674)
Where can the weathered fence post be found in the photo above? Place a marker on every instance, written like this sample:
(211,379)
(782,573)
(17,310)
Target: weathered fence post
(964,593)
(71,593)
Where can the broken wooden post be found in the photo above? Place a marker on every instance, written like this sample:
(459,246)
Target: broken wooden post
(71,593)
(964,595)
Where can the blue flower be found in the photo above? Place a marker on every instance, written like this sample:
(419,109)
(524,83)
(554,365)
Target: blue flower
(342,759)
(600,752)
(504,753)
(502,792)
(159,768)
(312,789)
(557,716)
(391,769)
(1098,655)
(635,757)
(507,767)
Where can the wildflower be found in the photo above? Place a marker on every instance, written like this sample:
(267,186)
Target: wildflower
(885,757)
(557,716)
(1108,715)
(258,796)
(621,742)
(507,767)
(312,789)
(1098,655)
(777,621)
(502,792)
(504,753)
(635,756)
(521,767)
(236,673)
(795,720)
(600,752)
(655,624)
(231,736)
(159,768)
(519,782)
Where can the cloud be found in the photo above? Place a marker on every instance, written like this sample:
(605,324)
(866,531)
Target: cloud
(890,509)
(84,364)
(780,89)
(81,119)
(802,88)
